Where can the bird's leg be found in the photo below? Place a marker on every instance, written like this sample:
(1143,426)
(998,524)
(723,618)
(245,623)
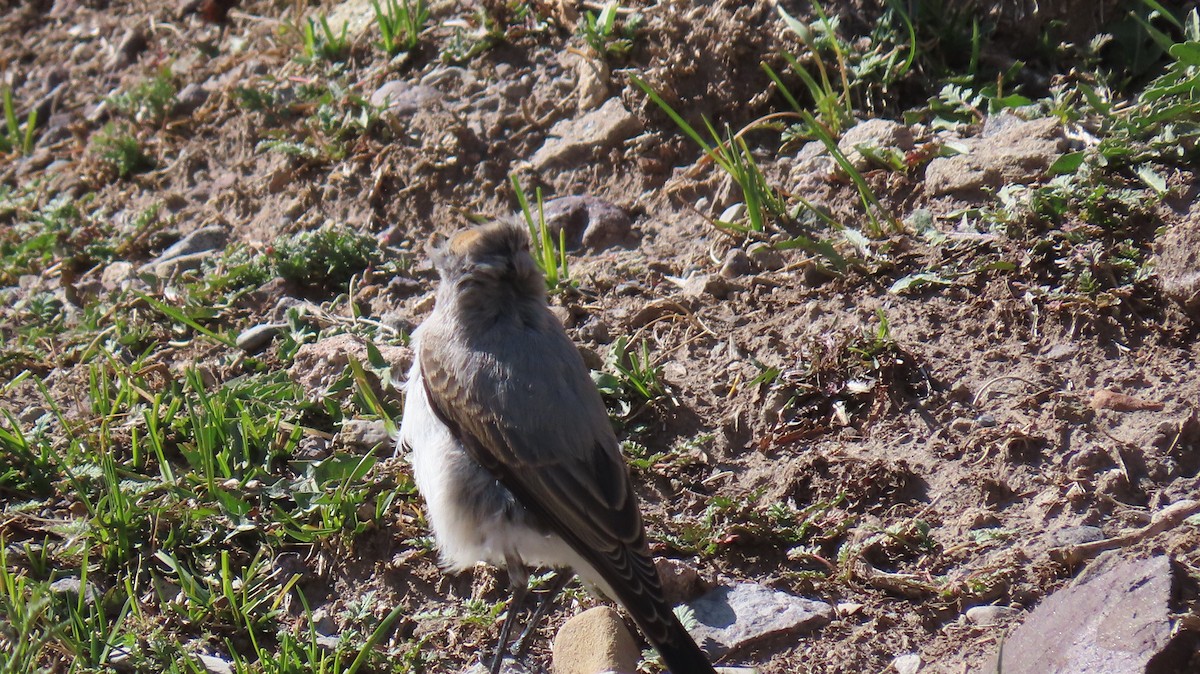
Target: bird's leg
(560,580)
(518,580)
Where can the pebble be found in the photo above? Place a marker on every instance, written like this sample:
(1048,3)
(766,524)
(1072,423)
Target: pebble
(737,263)
(989,615)
(364,434)
(765,256)
(256,338)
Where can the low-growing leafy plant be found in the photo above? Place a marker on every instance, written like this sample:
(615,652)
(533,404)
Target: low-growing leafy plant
(120,149)
(324,258)
(148,101)
(603,34)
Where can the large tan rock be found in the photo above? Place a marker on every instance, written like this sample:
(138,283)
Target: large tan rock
(595,641)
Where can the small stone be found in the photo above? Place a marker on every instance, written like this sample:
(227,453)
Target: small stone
(595,641)
(214,665)
(1066,536)
(131,44)
(364,434)
(737,263)
(202,240)
(765,256)
(312,448)
(989,615)
(117,276)
(1015,151)
(71,587)
(322,622)
(848,608)
(401,99)
(585,220)
(1061,352)
(508,666)
(189,99)
(578,139)
(596,331)
(681,582)
(319,365)
(874,133)
(256,338)
(1103,399)
(733,214)
(592,77)
(699,285)
(729,618)
(909,663)
(172,266)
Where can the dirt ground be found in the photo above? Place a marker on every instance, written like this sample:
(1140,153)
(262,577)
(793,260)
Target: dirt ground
(947,438)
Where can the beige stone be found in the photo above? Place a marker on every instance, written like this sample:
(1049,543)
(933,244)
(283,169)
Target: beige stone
(595,641)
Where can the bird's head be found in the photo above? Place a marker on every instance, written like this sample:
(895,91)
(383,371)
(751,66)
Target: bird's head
(489,266)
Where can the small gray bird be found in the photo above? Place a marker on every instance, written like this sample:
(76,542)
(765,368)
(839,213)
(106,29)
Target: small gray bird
(511,444)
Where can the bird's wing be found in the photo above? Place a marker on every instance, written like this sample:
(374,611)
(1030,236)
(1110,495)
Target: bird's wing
(560,463)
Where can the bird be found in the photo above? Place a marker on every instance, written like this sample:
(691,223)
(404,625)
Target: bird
(512,449)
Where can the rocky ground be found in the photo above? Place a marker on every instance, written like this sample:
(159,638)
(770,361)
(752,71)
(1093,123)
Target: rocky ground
(906,359)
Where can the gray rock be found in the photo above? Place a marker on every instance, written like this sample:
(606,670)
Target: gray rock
(733,617)
(364,434)
(737,263)
(71,587)
(765,256)
(214,665)
(190,98)
(699,285)
(585,220)
(1114,619)
(909,663)
(577,139)
(202,240)
(401,98)
(595,641)
(257,337)
(1015,151)
(117,275)
(171,266)
(320,365)
(680,580)
(1075,535)
(323,623)
(1177,262)
(875,133)
(509,666)
(131,44)
(989,615)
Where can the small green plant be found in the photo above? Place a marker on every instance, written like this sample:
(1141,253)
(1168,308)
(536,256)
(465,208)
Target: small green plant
(400,24)
(468,41)
(119,148)
(325,258)
(631,380)
(16,137)
(320,42)
(602,34)
(550,256)
(148,101)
